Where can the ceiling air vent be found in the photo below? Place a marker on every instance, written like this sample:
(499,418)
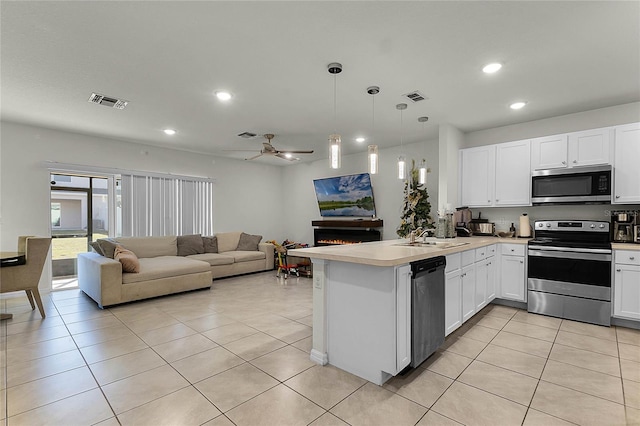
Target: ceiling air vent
(96,98)
(415,96)
(247,135)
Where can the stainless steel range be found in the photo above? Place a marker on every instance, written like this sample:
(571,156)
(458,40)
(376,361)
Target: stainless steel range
(570,270)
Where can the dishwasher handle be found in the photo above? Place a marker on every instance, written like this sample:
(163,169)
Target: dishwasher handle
(428,266)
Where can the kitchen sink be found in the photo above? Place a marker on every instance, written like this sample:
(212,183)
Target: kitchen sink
(435,244)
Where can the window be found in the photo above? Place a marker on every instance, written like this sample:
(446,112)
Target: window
(166,205)
(55,215)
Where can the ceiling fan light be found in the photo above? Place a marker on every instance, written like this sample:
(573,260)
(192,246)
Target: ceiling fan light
(372,157)
(335,159)
(288,154)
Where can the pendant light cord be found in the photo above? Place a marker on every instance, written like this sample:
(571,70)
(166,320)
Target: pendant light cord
(335,105)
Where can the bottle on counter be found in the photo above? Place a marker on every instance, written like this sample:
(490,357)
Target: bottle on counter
(450,226)
(441,227)
(512,229)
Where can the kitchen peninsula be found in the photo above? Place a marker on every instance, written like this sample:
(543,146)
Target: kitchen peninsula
(362,300)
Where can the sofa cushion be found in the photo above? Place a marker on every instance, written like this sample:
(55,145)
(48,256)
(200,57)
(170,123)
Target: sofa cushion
(150,246)
(190,244)
(108,246)
(228,241)
(153,268)
(129,260)
(210,244)
(248,242)
(245,256)
(213,259)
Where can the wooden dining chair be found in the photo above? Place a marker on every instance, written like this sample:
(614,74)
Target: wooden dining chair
(26,277)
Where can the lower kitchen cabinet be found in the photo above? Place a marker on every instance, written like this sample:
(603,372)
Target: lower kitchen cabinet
(626,284)
(452,298)
(468,281)
(513,278)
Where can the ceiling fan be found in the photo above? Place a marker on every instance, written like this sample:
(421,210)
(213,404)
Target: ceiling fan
(268,149)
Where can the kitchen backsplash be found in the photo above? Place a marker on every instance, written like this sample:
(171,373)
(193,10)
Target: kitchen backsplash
(503,217)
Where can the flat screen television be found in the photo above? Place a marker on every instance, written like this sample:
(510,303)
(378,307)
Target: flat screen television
(350,195)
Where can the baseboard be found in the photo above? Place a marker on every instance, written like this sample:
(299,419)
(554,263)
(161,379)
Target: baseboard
(625,323)
(319,357)
(511,303)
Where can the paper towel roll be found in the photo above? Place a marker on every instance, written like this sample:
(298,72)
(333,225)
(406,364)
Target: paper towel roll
(525,227)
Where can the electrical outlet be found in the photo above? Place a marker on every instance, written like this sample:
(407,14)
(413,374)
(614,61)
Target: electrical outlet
(317,281)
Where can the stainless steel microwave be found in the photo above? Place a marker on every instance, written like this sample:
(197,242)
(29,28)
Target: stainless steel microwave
(577,185)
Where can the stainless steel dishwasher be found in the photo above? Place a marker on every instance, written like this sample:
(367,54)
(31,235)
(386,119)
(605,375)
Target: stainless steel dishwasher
(427,308)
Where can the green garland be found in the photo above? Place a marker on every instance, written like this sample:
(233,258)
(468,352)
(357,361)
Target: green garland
(416,209)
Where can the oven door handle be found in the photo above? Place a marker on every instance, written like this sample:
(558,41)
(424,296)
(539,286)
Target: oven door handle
(564,254)
(572,249)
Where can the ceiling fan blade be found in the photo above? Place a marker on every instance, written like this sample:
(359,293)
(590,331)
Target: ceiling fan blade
(254,157)
(298,152)
(284,157)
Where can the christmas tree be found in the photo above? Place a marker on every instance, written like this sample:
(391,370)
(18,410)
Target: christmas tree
(416,209)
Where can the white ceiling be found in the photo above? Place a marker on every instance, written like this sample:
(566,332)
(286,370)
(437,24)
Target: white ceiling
(167,59)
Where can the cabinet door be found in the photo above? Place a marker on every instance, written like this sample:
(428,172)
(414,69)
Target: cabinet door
(626,164)
(549,152)
(626,289)
(477,176)
(468,277)
(590,148)
(403,317)
(491,279)
(512,278)
(513,178)
(481,284)
(452,302)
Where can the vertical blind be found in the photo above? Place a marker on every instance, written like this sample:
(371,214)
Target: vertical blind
(157,206)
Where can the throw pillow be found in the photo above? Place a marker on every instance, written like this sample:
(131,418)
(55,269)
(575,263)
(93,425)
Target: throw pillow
(96,247)
(108,247)
(248,242)
(190,244)
(129,260)
(210,244)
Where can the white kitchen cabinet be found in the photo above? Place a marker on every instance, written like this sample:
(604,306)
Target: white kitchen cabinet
(626,164)
(513,179)
(485,276)
(626,284)
(513,279)
(549,152)
(477,176)
(468,282)
(585,148)
(452,301)
(491,278)
(481,284)
(403,317)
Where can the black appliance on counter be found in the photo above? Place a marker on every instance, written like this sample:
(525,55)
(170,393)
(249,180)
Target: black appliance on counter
(580,185)
(624,225)
(569,270)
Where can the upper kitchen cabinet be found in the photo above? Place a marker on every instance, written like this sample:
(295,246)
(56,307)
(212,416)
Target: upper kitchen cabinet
(495,175)
(513,179)
(585,148)
(477,176)
(626,164)
(549,152)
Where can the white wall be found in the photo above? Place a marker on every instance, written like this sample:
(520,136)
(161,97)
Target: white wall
(301,206)
(604,117)
(248,196)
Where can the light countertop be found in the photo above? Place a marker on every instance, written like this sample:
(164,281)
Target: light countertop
(625,246)
(392,253)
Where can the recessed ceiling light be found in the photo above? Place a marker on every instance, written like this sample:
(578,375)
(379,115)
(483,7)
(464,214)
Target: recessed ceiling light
(491,68)
(360,139)
(517,105)
(288,155)
(223,96)
(169,132)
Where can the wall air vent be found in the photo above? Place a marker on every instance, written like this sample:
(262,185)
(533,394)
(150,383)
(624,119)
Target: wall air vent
(415,96)
(247,135)
(96,98)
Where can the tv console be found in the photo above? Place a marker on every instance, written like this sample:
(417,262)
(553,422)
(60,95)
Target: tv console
(332,232)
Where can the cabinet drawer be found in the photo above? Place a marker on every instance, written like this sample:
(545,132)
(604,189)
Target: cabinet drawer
(491,250)
(453,262)
(481,253)
(512,249)
(628,257)
(468,257)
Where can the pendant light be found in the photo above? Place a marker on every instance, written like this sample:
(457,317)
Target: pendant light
(422,171)
(402,161)
(372,150)
(335,141)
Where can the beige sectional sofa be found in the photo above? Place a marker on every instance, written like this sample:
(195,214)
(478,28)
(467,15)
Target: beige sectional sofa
(162,271)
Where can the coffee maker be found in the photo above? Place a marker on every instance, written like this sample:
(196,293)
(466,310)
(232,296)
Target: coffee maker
(624,223)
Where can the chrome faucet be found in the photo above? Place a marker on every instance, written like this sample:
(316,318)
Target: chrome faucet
(418,232)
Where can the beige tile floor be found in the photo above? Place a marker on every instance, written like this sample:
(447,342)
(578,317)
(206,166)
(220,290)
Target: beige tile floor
(239,354)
